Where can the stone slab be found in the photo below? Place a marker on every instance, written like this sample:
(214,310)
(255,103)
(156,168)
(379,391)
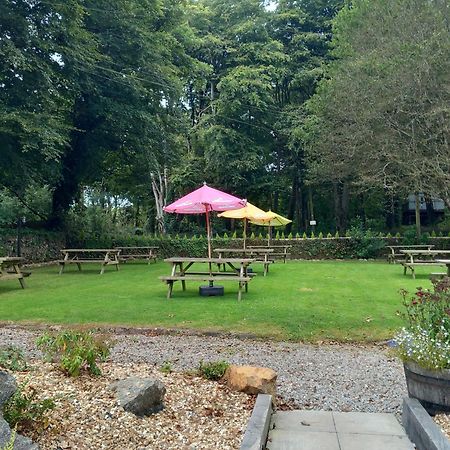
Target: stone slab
(302,440)
(373,442)
(367,423)
(258,426)
(421,428)
(308,420)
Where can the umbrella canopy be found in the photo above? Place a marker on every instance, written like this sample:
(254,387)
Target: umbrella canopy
(202,201)
(248,212)
(270,219)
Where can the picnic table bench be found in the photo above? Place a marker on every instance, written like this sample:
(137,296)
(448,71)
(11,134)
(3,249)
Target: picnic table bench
(181,265)
(280,252)
(104,256)
(417,257)
(395,251)
(10,269)
(257,254)
(143,252)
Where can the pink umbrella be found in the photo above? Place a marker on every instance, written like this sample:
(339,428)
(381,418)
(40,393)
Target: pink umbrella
(202,201)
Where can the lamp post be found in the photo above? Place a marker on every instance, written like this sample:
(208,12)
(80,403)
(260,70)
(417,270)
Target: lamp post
(20,222)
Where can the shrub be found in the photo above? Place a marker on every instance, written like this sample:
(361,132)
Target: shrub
(12,358)
(329,236)
(290,236)
(426,338)
(75,351)
(320,235)
(252,236)
(304,236)
(367,244)
(213,370)
(23,410)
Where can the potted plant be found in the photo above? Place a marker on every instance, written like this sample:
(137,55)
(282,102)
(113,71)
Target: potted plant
(424,345)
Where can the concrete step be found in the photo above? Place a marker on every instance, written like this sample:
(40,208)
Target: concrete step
(327,430)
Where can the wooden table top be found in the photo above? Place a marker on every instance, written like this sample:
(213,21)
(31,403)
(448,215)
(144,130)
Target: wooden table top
(91,250)
(410,246)
(443,261)
(135,247)
(425,252)
(11,259)
(241,250)
(176,259)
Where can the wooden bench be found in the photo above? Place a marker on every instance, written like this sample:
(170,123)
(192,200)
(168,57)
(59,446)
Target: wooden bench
(10,270)
(277,253)
(411,265)
(395,251)
(105,257)
(137,253)
(243,281)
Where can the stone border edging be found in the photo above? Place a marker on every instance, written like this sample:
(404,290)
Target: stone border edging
(421,429)
(255,436)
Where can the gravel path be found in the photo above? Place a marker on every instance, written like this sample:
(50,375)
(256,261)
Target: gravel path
(328,377)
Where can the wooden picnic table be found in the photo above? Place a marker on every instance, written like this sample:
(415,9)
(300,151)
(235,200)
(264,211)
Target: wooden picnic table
(137,252)
(105,256)
(445,262)
(10,269)
(395,249)
(181,272)
(418,257)
(260,255)
(279,251)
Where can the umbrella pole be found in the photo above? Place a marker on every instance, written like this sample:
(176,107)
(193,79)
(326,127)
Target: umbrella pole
(245,231)
(208,234)
(268,237)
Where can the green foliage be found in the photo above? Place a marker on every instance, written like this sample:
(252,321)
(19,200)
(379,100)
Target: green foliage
(290,236)
(433,234)
(366,243)
(329,236)
(75,351)
(12,358)
(336,235)
(25,411)
(297,235)
(225,235)
(213,370)
(252,236)
(313,236)
(234,235)
(166,367)
(320,235)
(277,235)
(304,235)
(426,339)
(260,236)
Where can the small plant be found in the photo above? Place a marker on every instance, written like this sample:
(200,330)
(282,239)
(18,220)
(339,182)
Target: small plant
(252,236)
(24,411)
(304,235)
(260,236)
(166,367)
(225,235)
(12,358)
(277,235)
(213,370)
(297,235)
(290,236)
(320,235)
(313,236)
(329,236)
(234,235)
(75,351)
(336,234)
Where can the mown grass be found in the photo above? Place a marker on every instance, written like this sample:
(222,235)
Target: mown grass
(310,301)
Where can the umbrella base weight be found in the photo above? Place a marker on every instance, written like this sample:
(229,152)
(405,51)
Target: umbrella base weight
(210,291)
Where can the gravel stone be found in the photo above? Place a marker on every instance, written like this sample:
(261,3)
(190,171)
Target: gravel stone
(333,377)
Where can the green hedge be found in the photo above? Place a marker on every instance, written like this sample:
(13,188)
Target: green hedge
(38,246)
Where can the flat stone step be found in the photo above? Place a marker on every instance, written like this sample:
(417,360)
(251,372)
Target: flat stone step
(328,430)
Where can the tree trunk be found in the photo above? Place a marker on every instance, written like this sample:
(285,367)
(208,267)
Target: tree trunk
(160,189)
(418,225)
(337,206)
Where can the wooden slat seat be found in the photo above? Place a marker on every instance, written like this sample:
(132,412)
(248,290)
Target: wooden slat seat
(170,279)
(87,260)
(411,265)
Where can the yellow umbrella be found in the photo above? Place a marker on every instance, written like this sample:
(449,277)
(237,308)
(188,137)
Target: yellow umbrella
(248,212)
(270,219)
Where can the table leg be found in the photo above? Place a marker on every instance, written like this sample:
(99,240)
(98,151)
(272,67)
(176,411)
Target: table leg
(19,272)
(170,288)
(240,291)
(79,266)
(61,270)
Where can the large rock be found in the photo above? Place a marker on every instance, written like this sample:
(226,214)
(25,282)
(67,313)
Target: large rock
(8,386)
(252,380)
(141,396)
(20,442)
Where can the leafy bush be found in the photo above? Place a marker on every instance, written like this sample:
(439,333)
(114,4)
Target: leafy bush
(24,411)
(426,338)
(213,370)
(75,351)
(12,358)
(366,243)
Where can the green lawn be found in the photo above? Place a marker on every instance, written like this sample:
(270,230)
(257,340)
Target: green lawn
(309,301)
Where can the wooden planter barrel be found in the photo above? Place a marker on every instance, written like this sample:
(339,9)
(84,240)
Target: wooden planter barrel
(430,387)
